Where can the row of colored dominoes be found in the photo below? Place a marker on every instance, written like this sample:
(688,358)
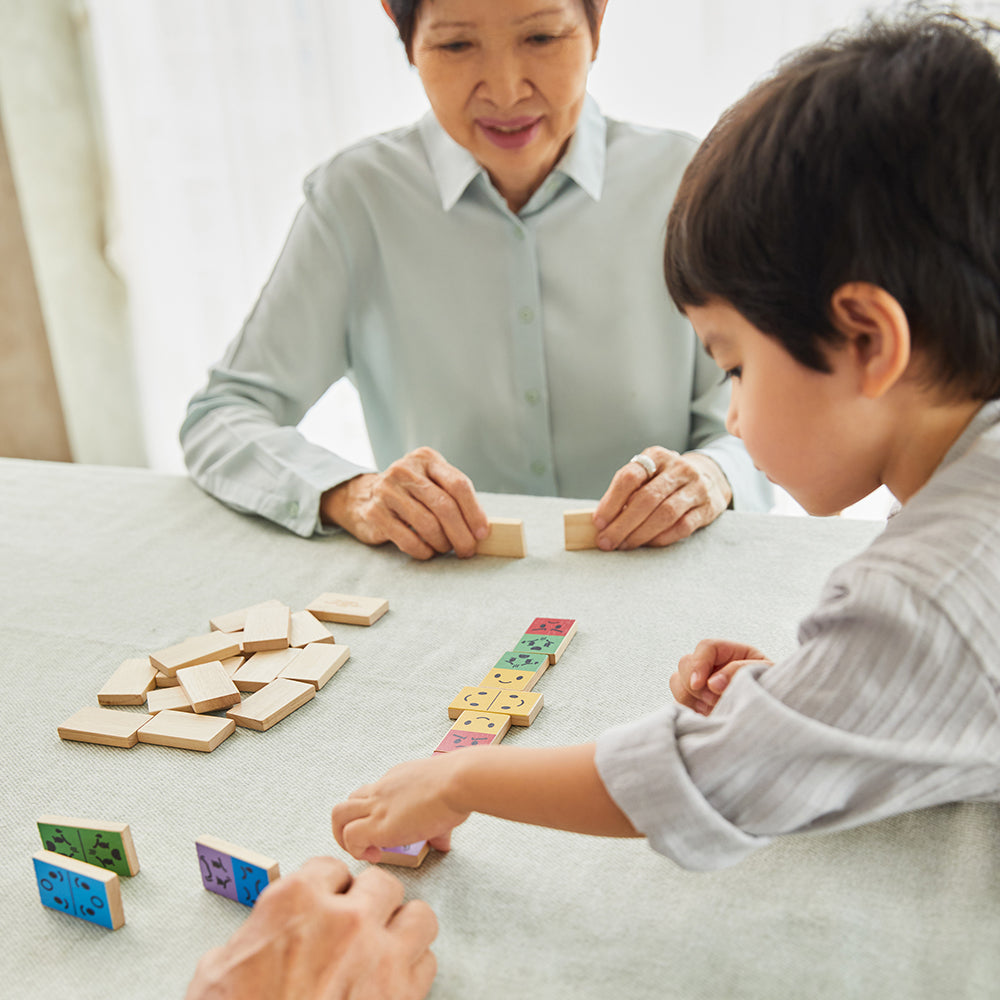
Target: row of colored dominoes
(78,871)
(504,697)
(280,658)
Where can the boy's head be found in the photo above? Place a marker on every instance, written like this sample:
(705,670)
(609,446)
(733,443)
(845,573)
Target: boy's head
(871,158)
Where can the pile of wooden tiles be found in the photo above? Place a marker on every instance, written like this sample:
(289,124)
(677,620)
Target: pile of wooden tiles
(277,657)
(503,698)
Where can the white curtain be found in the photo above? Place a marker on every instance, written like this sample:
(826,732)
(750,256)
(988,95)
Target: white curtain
(214,110)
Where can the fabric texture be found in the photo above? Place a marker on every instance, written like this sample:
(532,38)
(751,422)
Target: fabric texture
(536,351)
(890,703)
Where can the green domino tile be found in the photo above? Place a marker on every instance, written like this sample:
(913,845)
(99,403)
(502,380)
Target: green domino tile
(523,661)
(104,849)
(545,644)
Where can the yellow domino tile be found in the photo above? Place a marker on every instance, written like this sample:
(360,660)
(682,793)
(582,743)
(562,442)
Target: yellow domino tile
(521,706)
(511,680)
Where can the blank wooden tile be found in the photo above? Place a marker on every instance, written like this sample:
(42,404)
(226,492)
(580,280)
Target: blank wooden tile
(79,890)
(129,683)
(262,668)
(307,628)
(405,856)
(579,530)
(197,649)
(521,706)
(232,871)
(234,621)
(208,686)
(348,609)
(95,842)
(104,726)
(168,699)
(267,628)
(232,663)
(317,663)
(271,704)
(506,538)
(166,680)
(186,731)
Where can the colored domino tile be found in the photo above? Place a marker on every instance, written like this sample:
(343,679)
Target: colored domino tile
(105,726)
(306,629)
(260,669)
(474,729)
(234,621)
(187,731)
(271,704)
(208,687)
(547,635)
(234,872)
(129,683)
(196,649)
(267,628)
(406,856)
(348,609)
(317,663)
(521,706)
(579,530)
(104,845)
(517,671)
(79,889)
(506,538)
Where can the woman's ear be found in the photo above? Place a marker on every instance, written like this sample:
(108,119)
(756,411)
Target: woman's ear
(877,332)
(602,6)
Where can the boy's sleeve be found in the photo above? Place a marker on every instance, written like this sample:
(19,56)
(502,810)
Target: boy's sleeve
(883,709)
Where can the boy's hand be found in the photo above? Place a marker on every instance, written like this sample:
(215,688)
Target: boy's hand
(409,803)
(703,675)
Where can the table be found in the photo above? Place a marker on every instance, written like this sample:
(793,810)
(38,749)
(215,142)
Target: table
(100,564)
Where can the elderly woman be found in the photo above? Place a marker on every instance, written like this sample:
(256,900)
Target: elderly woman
(490,280)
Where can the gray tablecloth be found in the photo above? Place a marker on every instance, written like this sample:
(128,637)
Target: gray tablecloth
(102,564)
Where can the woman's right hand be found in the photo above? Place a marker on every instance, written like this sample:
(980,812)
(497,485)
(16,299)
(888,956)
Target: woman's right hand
(420,503)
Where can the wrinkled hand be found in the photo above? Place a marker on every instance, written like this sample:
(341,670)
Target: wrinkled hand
(420,503)
(409,803)
(703,675)
(319,935)
(685,493)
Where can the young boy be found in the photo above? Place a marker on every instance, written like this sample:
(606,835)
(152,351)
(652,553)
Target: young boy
(836,245)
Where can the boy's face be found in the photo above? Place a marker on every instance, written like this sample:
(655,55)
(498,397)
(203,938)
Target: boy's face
(812,433)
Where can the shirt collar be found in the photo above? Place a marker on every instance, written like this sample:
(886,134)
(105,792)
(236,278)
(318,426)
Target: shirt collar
(454,168)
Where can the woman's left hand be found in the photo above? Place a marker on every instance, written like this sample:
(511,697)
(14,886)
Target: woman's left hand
(684,493)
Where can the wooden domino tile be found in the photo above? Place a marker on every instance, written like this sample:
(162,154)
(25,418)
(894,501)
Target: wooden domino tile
(267,627)
(79,889)
(197,649)
(108,846)
(187,731)
(579,530)
(105,726)
(166,680)
(168,699)
(506,538)
(547,635)
(234,872)
(317,663)
(348,609)
(271,704)
(474,729)
(208,687)
(521,706)
(129,683)
(306,629)
(261,668)
(235,620)
(406,856)
(517,671)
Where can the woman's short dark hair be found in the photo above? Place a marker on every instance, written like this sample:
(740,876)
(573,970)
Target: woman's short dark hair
(875,157)
(404,13)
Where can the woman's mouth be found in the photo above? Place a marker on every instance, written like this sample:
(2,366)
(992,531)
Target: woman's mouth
(510,133)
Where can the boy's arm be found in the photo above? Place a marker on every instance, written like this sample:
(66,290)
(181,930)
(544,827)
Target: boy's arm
(426,799)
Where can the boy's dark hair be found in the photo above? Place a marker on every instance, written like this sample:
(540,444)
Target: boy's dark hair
(404,13)
(875,157)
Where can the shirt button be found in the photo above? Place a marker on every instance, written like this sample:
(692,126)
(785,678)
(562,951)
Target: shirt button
(519,232)
(538,468)
(526,314)
(532,396)
(293,509)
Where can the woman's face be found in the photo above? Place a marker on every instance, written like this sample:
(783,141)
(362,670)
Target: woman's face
(507,81)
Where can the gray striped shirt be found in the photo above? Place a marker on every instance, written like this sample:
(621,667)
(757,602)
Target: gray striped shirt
(891,702)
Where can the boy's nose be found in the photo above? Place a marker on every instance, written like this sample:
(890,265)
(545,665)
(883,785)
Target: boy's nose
(732,421)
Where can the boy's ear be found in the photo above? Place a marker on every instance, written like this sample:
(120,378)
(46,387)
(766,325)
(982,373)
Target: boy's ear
(877,331)
(388,10)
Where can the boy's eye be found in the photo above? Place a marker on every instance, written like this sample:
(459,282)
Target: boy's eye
(734,372)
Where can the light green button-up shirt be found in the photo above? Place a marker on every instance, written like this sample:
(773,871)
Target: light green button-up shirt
(536,351)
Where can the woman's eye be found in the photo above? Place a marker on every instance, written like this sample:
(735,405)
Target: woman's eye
(454,46)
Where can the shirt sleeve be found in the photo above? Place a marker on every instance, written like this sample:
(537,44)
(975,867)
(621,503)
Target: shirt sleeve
(239,436)
(883,709)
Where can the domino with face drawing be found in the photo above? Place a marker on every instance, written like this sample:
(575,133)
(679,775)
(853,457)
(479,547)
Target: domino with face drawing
(521,706)
(516,671)
(547,635)
(475,729)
